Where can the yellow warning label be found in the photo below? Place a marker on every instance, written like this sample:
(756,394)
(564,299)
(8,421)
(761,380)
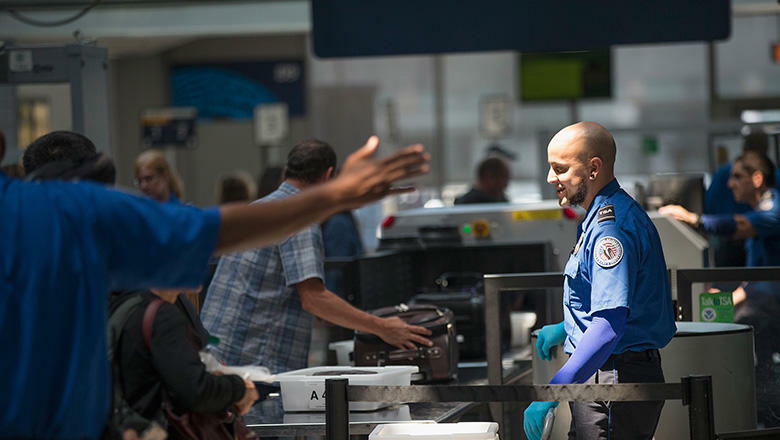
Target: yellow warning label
(481,228)
(542,214)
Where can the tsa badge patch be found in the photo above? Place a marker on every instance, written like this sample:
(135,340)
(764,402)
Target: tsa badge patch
(609,252)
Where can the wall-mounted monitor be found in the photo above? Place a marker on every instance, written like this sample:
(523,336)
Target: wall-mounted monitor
(233,89)
(546,76)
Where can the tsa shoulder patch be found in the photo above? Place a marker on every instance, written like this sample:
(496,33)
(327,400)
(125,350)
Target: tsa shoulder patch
(608,252)
(606,212)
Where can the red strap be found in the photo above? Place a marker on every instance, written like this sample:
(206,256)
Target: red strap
(148,324)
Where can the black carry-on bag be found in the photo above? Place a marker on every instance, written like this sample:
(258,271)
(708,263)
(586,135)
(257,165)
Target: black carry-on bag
(437,363)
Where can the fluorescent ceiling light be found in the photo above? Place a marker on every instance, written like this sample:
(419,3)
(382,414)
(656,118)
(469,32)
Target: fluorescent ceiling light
(760,116)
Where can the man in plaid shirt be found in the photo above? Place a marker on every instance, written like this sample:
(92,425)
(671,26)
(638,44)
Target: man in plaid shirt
(260,302)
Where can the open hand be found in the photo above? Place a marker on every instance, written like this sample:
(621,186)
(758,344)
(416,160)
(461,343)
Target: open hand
(365,178)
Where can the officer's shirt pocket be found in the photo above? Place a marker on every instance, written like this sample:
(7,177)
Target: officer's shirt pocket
(577,292)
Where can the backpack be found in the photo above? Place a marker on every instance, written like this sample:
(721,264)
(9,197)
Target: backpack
(123,416)
(189,425)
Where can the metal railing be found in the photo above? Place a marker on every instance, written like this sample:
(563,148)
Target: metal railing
(494,285)
(684,279)
(694,391)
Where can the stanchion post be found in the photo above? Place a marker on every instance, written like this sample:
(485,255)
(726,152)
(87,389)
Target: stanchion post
(697,394)
(336,409)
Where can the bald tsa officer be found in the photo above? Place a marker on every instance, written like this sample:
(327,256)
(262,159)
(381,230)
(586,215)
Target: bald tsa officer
(617,301)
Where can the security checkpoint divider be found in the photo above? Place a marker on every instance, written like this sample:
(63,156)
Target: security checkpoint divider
(694,391)
(681,281)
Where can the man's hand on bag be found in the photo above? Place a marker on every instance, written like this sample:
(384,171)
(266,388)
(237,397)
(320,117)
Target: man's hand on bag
(549,337)
(399,334)
(533,418)
(250,396)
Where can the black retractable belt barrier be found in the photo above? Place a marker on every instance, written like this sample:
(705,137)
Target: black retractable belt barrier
(336,409)
(697,394)
(695,391)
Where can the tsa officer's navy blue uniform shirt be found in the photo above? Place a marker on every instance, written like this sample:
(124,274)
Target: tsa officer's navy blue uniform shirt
(618,262)
(64,246)
(764,248)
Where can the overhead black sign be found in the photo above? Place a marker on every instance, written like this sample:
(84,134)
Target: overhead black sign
(168,127)
(343,28)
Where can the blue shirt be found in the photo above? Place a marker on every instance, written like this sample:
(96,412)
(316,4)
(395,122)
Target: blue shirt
(65,246)
(618,262)
(252,304)
(340,238)
(764,248)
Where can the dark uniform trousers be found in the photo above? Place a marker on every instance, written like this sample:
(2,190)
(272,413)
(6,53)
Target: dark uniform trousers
(620,420)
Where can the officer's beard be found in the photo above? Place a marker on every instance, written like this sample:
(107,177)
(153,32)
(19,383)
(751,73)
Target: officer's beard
(578,197)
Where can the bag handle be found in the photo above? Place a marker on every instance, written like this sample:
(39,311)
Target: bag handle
(403,308)
(148,324)
(397,355)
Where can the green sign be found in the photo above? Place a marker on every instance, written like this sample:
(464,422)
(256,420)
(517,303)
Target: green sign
(716,307)
(649,145)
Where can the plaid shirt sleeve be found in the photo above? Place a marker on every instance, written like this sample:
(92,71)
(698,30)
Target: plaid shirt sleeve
(302,256)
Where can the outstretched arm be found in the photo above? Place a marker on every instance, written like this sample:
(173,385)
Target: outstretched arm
(363,179)
(319,301)
(735,226)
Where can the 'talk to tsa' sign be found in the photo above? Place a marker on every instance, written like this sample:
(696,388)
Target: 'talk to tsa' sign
(716,307)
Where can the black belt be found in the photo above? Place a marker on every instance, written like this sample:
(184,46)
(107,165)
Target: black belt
(645,355)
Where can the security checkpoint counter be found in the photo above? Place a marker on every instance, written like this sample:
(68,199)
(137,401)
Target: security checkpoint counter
(267,418)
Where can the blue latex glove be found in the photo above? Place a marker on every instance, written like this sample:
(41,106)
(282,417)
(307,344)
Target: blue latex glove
(533,418)
(549,337)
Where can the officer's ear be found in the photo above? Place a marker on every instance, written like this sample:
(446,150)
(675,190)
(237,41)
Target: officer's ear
(594,167)
(757,179)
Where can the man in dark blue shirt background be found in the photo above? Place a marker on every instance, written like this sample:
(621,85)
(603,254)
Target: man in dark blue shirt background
(492,179)
(719,199)
(752,182)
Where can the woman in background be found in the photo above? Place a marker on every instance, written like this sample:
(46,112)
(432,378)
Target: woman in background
(155,177)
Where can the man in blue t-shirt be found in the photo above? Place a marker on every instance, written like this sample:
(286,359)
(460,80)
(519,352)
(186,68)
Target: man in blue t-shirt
(617,301)
(65,245)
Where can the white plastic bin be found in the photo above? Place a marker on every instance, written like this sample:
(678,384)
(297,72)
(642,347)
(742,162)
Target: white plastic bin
(304,390)
(437,431)
(343,351)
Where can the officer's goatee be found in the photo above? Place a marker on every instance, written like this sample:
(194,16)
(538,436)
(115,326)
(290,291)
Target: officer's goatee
(577,198)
